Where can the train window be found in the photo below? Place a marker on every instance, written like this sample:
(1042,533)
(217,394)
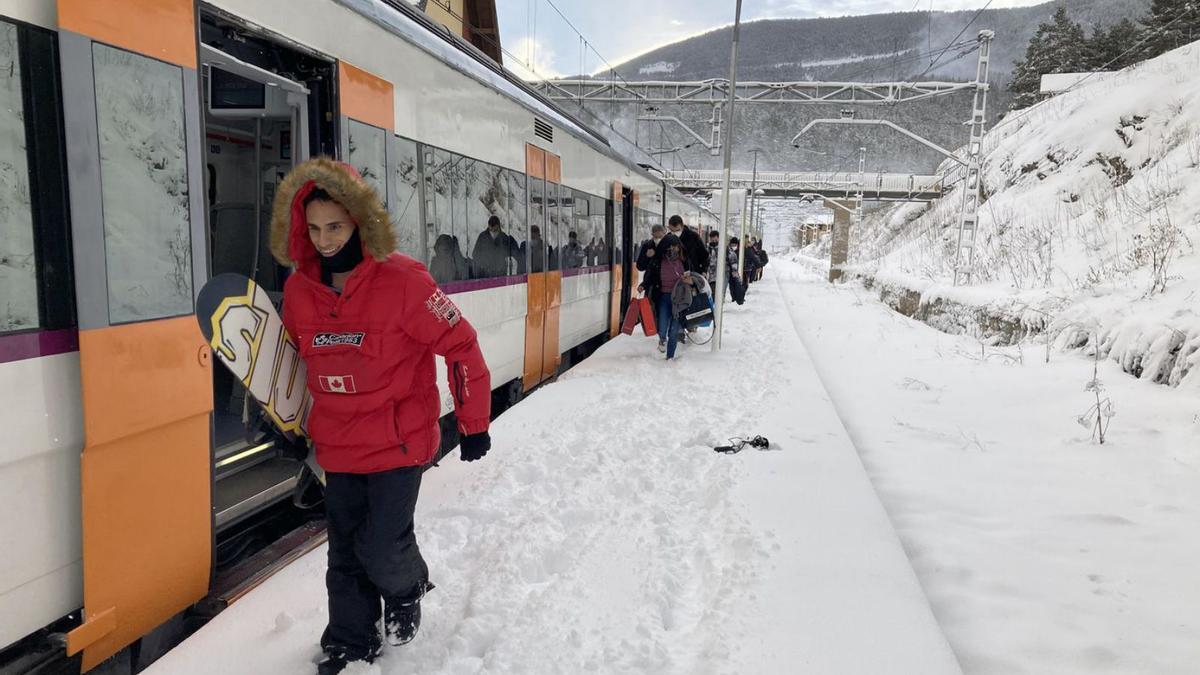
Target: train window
(515,214)
(554,225)
(494,217)
(368,154)
(18,266)
(406,198)
(446,260)
(571,250)
(534,250)
(143,170)
(602,249)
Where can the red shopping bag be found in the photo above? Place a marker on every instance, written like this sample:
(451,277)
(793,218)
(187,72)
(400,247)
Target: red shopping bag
(631,318)
(647,310)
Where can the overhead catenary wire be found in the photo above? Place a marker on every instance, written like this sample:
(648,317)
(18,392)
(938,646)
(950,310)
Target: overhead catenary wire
(933,63)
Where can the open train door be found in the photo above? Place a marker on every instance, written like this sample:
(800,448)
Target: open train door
(135,169)
(629,246)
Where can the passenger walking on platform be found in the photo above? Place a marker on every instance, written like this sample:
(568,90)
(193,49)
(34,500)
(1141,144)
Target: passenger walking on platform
(714,256)
(762,257)
(368,322)
(693,245)
(736,288)
(666,267)
(493,249)
(650,247)
(750,269)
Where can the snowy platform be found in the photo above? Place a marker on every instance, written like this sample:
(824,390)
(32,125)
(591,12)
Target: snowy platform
(603,534)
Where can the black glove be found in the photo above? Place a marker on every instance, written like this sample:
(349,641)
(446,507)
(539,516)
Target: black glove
(474,446)
(295,449)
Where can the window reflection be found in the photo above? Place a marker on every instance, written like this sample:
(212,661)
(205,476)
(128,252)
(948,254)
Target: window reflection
(406,202)
(143,168)
(18,271)
(477,209)
(368,155)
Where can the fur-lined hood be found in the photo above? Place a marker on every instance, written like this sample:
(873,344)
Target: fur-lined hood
(289,228)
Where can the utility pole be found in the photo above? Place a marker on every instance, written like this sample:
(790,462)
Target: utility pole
(862,178)
(724,239)
(968,218)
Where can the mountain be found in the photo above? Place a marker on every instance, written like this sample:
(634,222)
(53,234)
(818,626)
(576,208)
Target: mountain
(875,47)
(879,47)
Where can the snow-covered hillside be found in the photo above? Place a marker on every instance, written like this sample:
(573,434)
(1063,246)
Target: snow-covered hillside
(1089,226)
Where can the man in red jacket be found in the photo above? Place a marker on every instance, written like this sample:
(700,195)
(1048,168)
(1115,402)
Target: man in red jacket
(368,322)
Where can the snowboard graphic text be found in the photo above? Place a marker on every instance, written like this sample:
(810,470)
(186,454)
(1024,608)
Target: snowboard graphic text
(250,339)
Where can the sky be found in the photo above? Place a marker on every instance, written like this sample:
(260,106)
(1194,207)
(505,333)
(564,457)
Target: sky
(536,36)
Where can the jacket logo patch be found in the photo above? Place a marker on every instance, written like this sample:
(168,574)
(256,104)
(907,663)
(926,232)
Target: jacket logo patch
(443,308)
(337,339)
(337,384)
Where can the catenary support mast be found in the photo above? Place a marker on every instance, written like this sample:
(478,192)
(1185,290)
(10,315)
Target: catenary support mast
(719,299)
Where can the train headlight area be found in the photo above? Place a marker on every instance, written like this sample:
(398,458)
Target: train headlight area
(144,159)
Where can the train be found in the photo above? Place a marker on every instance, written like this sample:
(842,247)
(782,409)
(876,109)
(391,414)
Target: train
(141,143)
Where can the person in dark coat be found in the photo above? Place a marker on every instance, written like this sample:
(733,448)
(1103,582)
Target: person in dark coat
(649,247)
(493,248)
(750,269)
(693,245)
(664,270)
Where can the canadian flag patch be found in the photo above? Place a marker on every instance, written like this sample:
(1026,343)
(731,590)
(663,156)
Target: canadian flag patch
(337,384)
(443,308)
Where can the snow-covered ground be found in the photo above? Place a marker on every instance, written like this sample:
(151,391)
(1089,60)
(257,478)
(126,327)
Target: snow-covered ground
(603,534)
(1040,550)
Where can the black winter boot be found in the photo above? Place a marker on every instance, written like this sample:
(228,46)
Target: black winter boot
(335,662)
(402,615)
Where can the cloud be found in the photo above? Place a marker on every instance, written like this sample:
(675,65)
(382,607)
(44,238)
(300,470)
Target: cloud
(535,60)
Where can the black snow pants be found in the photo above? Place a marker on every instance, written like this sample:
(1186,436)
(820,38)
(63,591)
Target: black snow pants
(373,554)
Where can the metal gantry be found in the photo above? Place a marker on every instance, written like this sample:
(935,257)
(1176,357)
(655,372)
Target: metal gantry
(875,186)
(718,92)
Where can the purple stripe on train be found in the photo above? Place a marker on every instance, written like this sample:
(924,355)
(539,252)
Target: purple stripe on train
(452,287)
(467,286)
(38,343)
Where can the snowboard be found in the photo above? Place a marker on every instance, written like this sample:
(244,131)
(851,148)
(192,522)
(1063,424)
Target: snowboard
(246,334)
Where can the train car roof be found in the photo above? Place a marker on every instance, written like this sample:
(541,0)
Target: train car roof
(404,20)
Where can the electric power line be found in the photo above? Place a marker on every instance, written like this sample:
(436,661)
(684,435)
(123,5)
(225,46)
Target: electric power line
(933,63)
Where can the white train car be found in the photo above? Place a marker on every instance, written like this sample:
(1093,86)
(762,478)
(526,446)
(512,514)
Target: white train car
(142,159)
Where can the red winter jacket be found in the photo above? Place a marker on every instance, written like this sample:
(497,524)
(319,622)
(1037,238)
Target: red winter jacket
(370,350)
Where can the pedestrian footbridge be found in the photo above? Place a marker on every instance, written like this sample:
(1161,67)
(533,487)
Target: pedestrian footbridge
(829,185)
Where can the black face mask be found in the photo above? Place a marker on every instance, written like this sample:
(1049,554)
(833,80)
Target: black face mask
(344,260)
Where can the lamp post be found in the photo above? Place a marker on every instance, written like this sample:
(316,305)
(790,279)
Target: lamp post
(724,239)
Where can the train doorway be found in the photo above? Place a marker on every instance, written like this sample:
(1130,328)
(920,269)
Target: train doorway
(264,106)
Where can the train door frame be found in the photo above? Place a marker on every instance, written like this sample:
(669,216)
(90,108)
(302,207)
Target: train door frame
(535,316)
(551,356)
(630,251)
(612,227)
(145,373)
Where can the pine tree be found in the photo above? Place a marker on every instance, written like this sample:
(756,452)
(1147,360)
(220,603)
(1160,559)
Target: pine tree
(1171,24)
(1114,49)
(1057,47)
